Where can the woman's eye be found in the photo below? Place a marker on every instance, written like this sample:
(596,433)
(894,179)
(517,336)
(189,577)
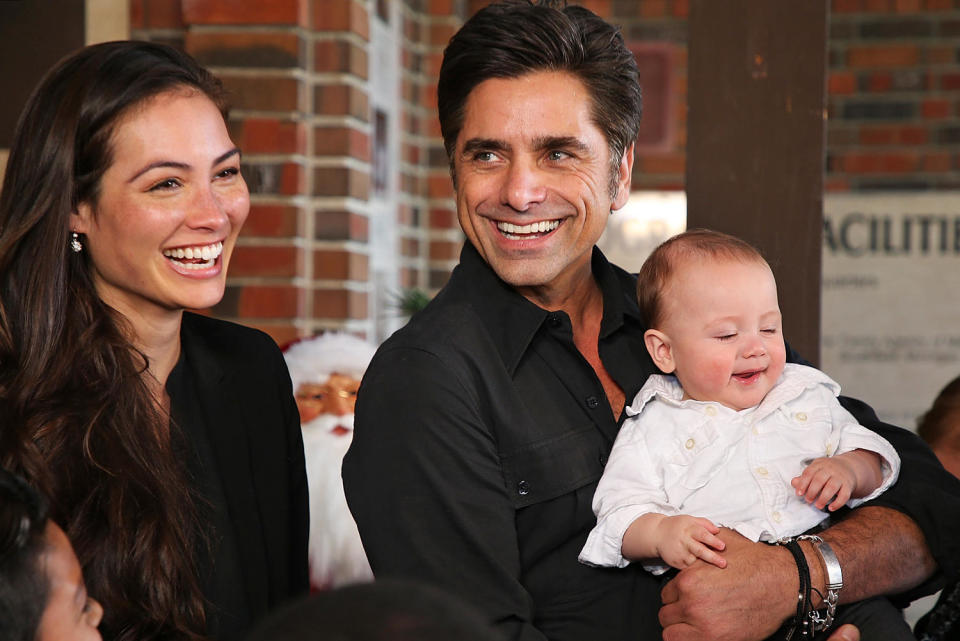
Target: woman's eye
(165,185)
(229,172)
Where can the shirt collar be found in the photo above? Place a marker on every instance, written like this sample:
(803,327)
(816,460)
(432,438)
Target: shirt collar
(512,321)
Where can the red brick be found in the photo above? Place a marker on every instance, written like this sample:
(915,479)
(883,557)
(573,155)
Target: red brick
(443,219)
(440,186)
(251,260)
(906,6)
(269,136)
(913,135)
(938,5)
(880,81)
(876,6)
(842,82)
(156,14)
(341,141)
(340,56)
(441,8)
(878,135)
(599,7)
(340,225)
(264,301)
(444,250)
(341,15)
(834,184)
(410,247)
(950,81)
(883,56)
(262,93)
(935,109)
(653,8)
(681,8)
(334,264)
(341,181)
(937,161)
(273,221)
(341,100)
(258,12)
(440,33)
(846,6)
(245,49)
(339,303)
(941,55)
(891,163)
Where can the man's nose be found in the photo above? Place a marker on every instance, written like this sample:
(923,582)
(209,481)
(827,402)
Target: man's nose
(523,185)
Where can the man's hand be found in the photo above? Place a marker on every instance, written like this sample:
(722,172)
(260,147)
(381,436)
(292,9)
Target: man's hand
(746,601)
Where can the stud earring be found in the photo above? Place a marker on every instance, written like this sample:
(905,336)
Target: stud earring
(75,243)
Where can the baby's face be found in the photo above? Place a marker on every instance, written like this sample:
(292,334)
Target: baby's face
(723,324)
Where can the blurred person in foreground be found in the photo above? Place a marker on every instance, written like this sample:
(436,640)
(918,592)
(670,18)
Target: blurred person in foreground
(42,593)
(483,426)
(167,442)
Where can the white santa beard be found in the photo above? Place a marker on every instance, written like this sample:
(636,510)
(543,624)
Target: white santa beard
(336,553)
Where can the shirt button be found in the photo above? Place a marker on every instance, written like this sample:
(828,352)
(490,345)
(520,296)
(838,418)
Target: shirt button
(523,488)
(603,459)
(711,410)
(776,517)
(801,417)
(829,450)
(762,471)
(554,321)
(689,444)
(593,402)
(755,431)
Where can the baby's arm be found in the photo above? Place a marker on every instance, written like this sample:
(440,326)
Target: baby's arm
(831,482)
(678,540)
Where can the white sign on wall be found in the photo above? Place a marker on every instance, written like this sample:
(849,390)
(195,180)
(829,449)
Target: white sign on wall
(891,298)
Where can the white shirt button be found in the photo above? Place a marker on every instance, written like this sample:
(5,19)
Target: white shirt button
(689,444)
(776,517)
(762,471)
(711,410)
(801,417)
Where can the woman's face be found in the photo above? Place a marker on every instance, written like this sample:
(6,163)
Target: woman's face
(70,615)
(169,208)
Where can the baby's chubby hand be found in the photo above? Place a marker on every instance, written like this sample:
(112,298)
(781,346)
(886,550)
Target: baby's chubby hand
(681,540)
(827,483)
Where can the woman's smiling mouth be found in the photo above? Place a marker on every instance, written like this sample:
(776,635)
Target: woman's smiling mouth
(195,257)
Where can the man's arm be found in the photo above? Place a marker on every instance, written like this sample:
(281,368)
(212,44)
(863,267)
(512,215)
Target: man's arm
(423,480)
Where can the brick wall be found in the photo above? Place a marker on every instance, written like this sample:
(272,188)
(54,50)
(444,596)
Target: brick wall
(303,73)
(894,83)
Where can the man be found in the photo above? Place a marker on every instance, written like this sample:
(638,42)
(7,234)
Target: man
(483,425)
(325,371)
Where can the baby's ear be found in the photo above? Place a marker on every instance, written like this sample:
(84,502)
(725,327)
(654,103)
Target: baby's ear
(658,344)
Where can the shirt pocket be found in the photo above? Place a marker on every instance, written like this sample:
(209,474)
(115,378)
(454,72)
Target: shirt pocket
(808,430)
(551,467)
(692,458)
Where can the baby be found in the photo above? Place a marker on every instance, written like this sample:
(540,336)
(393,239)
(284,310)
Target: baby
(735,437)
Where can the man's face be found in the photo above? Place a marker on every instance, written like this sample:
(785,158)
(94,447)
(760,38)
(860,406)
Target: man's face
(722,323)
(335,397)
(534,180)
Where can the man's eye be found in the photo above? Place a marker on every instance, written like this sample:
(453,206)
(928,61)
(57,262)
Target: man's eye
(557,155)
(484,156)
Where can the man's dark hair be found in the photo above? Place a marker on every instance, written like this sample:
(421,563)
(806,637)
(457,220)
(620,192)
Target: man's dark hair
(24,586)
(385,610)
(514,38)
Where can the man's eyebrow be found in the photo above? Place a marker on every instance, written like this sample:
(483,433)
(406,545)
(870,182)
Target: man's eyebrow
(542,143)
(483,144)
(182,165)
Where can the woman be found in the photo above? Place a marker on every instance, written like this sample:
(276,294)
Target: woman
(42,596)
(168,442)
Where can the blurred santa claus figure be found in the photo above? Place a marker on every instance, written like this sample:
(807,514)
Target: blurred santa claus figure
(326,372)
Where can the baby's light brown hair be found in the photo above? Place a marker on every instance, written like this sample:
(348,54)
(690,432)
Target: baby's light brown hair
(663,261)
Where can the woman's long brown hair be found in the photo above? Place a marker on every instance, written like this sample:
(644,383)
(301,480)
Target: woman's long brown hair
(77,416)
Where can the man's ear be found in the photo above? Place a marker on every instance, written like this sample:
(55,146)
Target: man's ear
(658,344)
(624,178)
(81,218)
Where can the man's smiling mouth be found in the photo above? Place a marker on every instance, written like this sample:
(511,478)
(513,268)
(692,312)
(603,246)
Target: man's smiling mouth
(532,230)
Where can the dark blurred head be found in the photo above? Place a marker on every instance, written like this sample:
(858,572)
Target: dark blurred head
(512,39)
(940,426)
(385,610)
(23,583)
